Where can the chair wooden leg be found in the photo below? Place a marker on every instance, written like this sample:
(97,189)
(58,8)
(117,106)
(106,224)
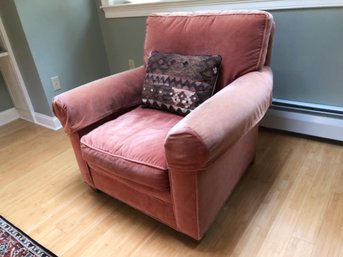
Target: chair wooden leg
(253,160)
(94,189)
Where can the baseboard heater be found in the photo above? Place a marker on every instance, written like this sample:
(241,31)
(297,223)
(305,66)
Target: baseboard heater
(318,120)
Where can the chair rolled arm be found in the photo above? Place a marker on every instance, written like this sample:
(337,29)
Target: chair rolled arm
(90,103)
(198,139)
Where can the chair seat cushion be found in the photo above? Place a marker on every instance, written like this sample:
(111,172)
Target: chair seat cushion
(132,147)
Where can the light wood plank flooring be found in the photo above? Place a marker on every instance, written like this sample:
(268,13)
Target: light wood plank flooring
(288,204)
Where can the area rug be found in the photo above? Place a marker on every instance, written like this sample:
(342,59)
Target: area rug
(15,243)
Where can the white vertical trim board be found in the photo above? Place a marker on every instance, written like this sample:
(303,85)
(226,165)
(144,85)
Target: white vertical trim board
(25,115)
(8,116)
(47,121)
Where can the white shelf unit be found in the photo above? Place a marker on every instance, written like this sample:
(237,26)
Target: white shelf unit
(3,54)
(13,79)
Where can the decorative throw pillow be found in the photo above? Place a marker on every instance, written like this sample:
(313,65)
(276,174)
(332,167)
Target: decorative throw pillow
(179,83)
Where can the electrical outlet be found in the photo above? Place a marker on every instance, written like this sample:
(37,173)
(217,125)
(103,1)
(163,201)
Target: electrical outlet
(55,81)
(131,63)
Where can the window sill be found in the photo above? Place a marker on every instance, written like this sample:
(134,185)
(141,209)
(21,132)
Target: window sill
(144,9)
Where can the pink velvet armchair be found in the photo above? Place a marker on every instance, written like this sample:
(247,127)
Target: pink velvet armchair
(179,170)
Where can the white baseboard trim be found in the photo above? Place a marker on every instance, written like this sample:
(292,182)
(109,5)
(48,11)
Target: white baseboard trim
(47,121)
(324,126)
(8,116)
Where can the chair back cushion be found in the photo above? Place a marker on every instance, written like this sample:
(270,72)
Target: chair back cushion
(241,38)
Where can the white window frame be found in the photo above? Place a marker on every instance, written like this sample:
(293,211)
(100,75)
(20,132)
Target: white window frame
(130,8)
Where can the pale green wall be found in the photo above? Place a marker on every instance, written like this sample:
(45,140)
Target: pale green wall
(64,38)
(52,38)
(5,99)
(307,57)
(124,39)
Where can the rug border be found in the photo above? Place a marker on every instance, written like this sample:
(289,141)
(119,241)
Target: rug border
(25,234)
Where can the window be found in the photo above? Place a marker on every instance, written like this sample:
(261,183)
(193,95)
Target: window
(117,2)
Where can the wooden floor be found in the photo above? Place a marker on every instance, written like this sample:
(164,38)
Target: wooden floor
(289,203)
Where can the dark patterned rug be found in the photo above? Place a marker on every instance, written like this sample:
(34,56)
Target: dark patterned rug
(15,243)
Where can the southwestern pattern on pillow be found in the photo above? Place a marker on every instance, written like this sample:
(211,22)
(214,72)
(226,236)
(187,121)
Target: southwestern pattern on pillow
(179,83)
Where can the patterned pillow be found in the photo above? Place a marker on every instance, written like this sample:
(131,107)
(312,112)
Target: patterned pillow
(179,83)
